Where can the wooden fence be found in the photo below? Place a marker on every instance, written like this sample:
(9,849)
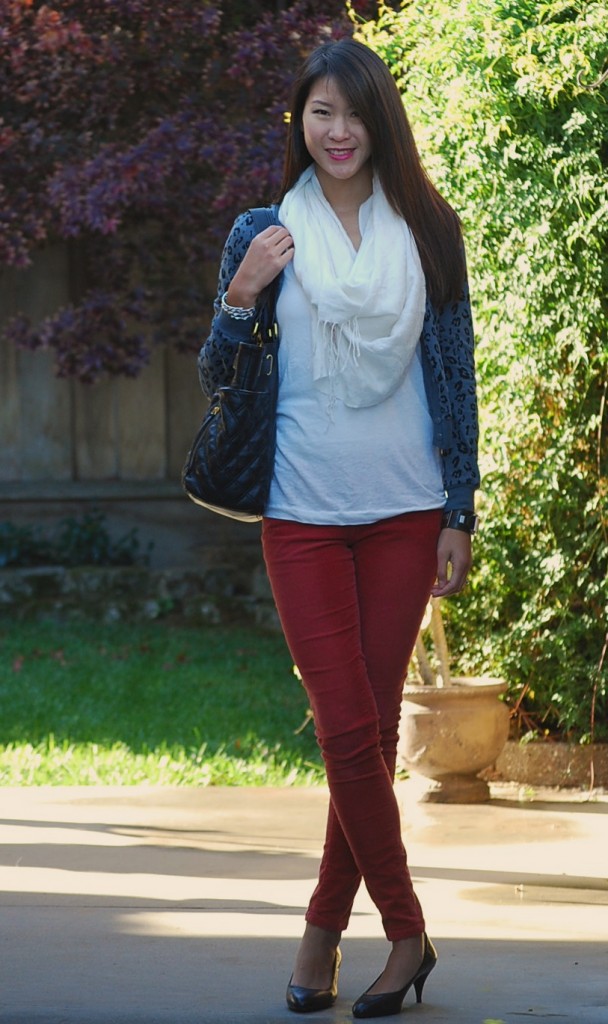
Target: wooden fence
(62,430)
(117,446)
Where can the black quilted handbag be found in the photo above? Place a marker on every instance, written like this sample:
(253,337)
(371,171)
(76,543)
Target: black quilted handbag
(229,466)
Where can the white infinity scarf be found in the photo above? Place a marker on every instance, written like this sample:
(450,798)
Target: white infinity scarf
(367,305)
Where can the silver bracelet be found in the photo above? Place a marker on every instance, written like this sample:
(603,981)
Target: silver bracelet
(237,312)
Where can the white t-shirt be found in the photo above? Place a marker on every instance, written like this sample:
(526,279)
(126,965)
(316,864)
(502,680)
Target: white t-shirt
(339,465)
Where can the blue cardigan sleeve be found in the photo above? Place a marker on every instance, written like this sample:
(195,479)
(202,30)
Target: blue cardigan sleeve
(456,339)
(449,369)
(216,357)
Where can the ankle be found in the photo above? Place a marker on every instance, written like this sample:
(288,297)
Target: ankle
(404,960)
(410,946)
(320,939)
(316,958)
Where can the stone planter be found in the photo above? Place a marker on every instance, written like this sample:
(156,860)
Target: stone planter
(450,734)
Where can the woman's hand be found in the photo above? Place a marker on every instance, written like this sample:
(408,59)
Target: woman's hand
(454,558)
(267,255)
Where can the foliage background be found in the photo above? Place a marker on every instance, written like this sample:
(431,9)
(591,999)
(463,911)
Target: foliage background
(136,131)
(508,101)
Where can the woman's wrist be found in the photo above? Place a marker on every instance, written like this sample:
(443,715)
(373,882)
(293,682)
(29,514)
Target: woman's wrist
(240,297)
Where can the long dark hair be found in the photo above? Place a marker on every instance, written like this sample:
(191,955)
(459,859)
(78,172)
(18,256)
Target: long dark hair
(369,86)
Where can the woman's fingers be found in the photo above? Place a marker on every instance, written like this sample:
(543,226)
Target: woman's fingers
(454,558)
(275,244)
(267,255)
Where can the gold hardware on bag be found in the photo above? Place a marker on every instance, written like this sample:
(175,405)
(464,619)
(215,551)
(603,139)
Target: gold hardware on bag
(257,333)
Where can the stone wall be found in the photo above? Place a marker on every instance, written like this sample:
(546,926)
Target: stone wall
(223,592)
(550,763)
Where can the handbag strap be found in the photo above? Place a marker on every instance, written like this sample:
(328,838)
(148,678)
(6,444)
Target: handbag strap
(264,217)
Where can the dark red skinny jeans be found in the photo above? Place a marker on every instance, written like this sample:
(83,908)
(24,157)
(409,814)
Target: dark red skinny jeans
(350,600)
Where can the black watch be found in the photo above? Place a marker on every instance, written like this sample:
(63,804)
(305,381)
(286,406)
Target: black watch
(460,519)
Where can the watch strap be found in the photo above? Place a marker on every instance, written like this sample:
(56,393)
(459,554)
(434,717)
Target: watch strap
(460,519)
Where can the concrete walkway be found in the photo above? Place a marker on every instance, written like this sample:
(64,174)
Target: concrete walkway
(176,906)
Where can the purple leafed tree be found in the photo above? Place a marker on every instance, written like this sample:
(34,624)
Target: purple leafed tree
(136,131)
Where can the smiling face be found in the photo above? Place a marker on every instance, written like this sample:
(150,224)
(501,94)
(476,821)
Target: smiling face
(335,136)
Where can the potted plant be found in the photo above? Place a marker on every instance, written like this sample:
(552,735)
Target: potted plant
(452,728)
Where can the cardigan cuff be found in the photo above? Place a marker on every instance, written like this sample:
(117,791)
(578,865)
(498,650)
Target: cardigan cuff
(461,497)
(238,330)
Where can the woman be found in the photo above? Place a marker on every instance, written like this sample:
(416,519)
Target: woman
(371,504)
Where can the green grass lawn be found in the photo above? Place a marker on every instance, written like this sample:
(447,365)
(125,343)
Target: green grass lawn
(87,704)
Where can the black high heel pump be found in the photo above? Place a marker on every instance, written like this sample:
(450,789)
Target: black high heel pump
(307,1000)
(385,1004)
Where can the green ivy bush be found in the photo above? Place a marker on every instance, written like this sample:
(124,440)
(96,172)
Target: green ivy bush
(508,100)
